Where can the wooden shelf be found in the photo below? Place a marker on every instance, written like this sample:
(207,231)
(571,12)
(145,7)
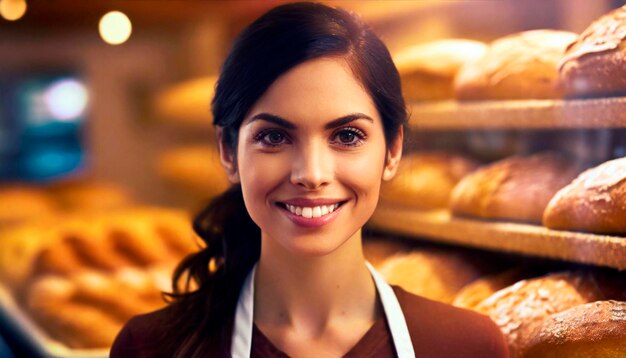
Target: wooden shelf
(534,240)
(520,114)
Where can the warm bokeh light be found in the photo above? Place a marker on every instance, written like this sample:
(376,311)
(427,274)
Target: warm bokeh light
(115,28)
(12,9)
(66,99)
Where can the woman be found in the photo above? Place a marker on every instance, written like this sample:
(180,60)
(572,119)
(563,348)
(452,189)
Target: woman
(309,117)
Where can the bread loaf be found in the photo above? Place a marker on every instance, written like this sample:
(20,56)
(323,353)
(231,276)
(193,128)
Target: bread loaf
(516,188)
(595,64)
(427,70)
(518,66)
(596,329)
(424,181)
(595,201)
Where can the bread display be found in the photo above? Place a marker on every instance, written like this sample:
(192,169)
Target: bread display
(435,274)
(82,277)
(424,181)
(195,168)
(596,329)
(516,188)
(87,309)
(595,201)
(594,65)
(428,70)
(521,308)
(517,66)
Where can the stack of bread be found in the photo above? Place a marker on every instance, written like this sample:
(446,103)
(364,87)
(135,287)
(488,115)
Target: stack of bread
(530,312)
(82,277)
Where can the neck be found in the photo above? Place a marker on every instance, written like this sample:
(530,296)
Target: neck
(313,292)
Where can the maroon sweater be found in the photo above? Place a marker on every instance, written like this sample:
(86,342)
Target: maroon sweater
(436,329)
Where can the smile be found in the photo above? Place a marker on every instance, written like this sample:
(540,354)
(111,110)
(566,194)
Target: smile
(312,212)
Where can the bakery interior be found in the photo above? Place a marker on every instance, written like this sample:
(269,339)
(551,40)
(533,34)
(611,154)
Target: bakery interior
(511,199)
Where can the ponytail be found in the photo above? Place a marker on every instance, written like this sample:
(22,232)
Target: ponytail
(206,284)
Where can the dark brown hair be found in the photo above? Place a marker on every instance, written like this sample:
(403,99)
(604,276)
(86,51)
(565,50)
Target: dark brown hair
(286,36)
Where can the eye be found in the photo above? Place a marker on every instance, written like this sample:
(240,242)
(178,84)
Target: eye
(349,137)
(271,137)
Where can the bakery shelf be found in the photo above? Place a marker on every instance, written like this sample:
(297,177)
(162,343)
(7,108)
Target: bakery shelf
(520,114)
(534,240)
(20,323)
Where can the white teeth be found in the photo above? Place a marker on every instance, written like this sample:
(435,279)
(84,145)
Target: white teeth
(312,212)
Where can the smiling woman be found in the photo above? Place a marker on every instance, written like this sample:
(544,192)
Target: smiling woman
(309,117)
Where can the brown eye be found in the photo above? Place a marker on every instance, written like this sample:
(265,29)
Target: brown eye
(346,137)
(275,137)
(349,137)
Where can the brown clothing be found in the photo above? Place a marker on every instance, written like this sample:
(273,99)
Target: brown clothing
(436,330)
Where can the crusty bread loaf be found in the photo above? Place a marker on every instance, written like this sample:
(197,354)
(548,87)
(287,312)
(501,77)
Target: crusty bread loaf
(195,168)
(428,70)
(518,66)
(519,309)
(595,64)
(425,180)
(435,274)
(595,201)
(596,329)
(516,188)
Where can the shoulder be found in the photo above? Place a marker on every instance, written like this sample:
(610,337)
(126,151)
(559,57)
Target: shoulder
(438,329)
(138,336)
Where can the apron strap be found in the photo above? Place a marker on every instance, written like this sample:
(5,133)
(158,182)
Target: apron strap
(241,343)
(395,317)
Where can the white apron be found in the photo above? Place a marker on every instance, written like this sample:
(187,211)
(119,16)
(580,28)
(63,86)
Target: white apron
(241,346)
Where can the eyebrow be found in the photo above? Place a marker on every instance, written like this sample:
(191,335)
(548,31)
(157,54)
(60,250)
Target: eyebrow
(330,125)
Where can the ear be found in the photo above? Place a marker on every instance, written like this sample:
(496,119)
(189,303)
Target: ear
(394,153)
(227,158)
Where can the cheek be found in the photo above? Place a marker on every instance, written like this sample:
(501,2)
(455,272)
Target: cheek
(260,173)
(363,173)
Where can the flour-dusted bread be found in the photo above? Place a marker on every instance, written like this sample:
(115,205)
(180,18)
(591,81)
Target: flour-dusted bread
(595,65)
(596,329)
(594,202)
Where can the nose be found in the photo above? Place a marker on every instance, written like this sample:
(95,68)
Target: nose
(312,167)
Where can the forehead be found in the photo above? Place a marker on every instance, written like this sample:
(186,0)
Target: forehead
(320,89)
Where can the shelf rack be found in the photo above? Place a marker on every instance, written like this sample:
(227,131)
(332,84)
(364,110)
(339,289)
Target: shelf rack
(519,114)
(535,240)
